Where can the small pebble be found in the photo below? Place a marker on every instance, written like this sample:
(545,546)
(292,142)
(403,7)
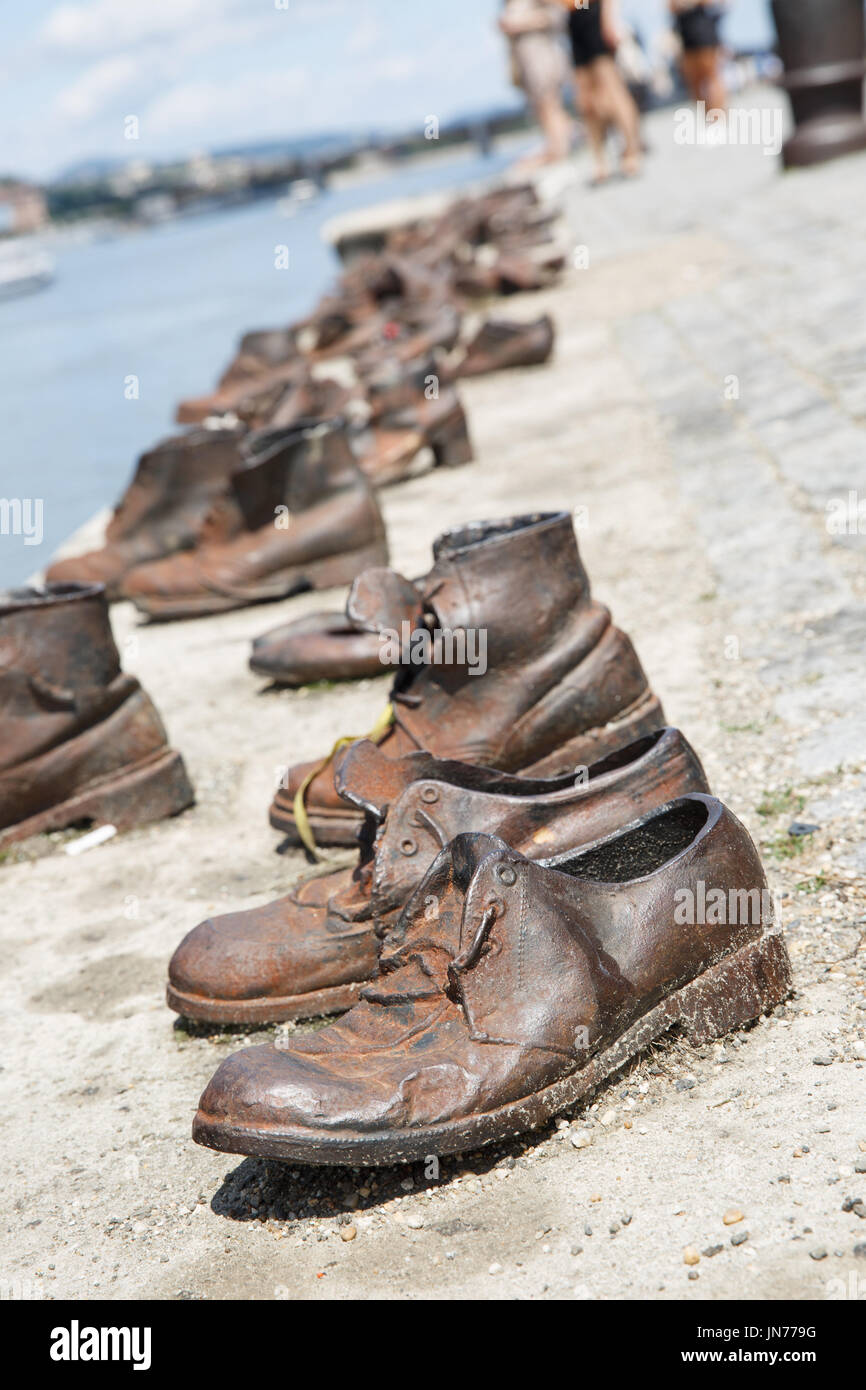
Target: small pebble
(691,1256)
(819,1253)
(495,1268)
(712,1250)
(732,1216)
(739,1237)
(348,1233)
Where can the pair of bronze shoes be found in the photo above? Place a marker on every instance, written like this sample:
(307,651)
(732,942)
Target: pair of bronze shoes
(221,519)
(545,886)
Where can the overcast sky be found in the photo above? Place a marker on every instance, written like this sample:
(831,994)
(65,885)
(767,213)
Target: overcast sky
(205,73)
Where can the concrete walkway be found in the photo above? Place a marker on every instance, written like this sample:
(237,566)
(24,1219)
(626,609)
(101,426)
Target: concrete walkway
(705,413)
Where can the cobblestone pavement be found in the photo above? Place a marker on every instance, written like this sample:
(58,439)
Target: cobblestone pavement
(705,412)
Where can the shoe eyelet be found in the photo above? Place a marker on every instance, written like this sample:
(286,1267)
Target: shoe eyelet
(506,874)
(408,846)
(430,795)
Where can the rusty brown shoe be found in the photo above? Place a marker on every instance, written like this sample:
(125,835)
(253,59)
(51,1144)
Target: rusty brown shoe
(311,952)
(80,742)
(528,674)
(260,353)
(310,520)
(166,508)
(398,437)
(511,988)
(501,343)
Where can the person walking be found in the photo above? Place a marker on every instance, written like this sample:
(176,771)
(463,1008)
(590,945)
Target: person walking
(701,59)
(534,30)
(603,99)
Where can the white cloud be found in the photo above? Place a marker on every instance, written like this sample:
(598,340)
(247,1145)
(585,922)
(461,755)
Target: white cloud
(399,67)
(103,26)
(251,104)
(366,36)
(96,89)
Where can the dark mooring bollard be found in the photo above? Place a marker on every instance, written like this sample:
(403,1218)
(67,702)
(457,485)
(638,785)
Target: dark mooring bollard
(823,47)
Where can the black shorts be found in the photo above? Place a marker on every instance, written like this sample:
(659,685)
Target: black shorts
(584,30)
(699,27)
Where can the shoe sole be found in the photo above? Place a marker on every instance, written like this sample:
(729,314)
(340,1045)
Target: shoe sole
(334,1000)
(727,996)
(138,795)
(339,829)
(334,572)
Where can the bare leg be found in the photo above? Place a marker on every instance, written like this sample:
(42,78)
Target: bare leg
(556,124)
(618,105)
(587,105)
(692,70)
(702,72)
(714,81)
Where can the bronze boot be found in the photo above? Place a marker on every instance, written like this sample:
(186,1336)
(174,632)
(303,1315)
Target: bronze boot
(509,989)
(260,353)
(506,661)
(79,740)
(166,508)
(397,438)
(311,951)
(501,343)
(310,521)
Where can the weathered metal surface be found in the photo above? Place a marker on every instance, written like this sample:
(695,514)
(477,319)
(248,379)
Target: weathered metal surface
(823,48)
(79,740)
(522,985)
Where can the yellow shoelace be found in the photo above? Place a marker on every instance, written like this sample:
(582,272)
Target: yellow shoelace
(302,820)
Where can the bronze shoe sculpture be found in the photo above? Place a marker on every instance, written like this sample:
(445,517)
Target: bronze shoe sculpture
(310,520)
(511,988)
(312,951)
(388,451)
(560,685)
(167,507)
(319,647)
(79,740)
(260,353)
(501,343)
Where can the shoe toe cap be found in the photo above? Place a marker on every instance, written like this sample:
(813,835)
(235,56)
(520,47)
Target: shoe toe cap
(96,567)
(222,959)
(268,1089)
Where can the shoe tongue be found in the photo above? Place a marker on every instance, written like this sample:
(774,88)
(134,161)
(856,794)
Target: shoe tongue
(381,600)
(429,932)
(372,780)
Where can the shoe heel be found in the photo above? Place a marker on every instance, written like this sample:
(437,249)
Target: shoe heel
(140,796)
(339,570)
(451,444)
(646,717)
(736,991)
